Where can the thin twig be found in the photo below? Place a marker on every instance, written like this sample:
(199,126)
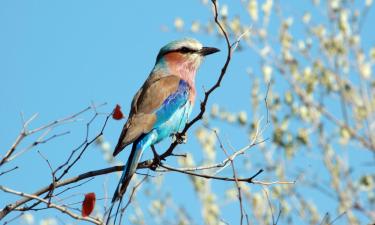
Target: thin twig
(269,205)
(8,208)
(14,218)
(337,218)
(266,101)
(38,142)
(51,205)
(50,194)
(7,171)
(248,180)
(75,186)
(131,196)
(221,164)
(24,132)
(242,211)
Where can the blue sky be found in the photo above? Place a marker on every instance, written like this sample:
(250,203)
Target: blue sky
(56,57)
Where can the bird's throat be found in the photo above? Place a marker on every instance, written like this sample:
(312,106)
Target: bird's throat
(183,67)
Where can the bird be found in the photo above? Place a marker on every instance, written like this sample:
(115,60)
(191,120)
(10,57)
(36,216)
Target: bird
(163,104)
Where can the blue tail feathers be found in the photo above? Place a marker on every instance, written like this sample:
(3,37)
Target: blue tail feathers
(138,147)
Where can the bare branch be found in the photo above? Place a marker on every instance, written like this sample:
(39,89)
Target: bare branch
(247,180)
(221,164)
(37,142)
(8,208)
(24,132)
(242,211)
(51,205)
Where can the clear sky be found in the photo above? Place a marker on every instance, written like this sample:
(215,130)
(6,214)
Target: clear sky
(56,57)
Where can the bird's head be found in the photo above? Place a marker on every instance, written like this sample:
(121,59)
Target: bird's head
(183,57)
(187,49)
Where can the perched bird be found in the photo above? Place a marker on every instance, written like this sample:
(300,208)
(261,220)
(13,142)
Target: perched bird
(162,106)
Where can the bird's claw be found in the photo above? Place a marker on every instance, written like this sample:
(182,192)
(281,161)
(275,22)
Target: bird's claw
(155,163)
(181,138)
(156,160)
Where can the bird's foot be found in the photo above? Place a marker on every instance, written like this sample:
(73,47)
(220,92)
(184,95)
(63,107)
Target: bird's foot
(156,161)
(180,138)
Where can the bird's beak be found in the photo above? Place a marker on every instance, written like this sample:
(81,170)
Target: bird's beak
(208,51)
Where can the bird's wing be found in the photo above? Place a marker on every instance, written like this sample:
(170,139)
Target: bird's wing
(154,96)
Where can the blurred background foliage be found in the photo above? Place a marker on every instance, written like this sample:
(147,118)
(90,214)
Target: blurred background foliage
(316,63)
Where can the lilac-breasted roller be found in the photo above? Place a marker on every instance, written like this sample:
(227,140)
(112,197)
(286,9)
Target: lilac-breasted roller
(162,106)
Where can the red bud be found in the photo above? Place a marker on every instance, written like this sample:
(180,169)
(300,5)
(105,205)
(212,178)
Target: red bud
(117,114)
(88,204)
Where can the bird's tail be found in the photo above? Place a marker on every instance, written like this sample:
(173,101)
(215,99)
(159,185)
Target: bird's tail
(130,168)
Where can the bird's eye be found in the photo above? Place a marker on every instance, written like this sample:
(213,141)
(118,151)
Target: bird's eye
(185,50)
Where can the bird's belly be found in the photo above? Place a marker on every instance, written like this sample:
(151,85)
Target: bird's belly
(175,123)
